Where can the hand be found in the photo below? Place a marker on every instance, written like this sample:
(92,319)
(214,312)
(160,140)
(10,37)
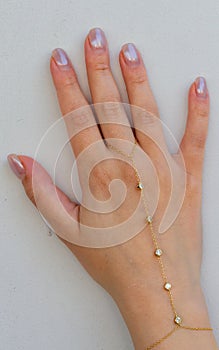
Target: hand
(129,271)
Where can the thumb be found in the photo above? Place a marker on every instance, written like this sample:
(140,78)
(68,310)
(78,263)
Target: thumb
(51,202)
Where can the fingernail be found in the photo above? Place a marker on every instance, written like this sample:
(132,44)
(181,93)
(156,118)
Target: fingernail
(97,38)
(16,166)
(130,53)
(61,58)
(201,87)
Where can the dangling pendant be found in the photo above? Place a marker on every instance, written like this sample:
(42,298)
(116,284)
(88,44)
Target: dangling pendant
(167,286)
(140,186)
(158,252)
(149,219)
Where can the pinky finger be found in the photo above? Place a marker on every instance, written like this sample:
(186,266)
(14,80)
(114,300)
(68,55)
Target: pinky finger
(193,141)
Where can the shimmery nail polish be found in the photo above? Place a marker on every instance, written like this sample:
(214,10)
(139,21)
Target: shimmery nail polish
(97,38)
(16,166)
(61,58)
(201,87)
(130,53)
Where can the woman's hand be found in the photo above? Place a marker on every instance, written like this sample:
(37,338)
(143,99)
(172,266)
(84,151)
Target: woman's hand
(129,271)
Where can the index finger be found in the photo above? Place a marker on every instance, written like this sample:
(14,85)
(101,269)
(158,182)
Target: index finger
(81,122)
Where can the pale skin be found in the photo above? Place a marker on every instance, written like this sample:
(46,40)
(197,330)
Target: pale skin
(127,271)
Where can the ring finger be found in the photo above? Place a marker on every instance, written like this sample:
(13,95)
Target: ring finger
(147,124)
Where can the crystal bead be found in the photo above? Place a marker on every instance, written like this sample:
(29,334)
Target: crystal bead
(167,286)
(158,252)
(140,186)
(178,320)
(149,219)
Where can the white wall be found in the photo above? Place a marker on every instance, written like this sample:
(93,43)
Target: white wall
(47,301)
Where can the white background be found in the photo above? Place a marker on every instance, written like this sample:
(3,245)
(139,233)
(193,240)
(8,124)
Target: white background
(47,301)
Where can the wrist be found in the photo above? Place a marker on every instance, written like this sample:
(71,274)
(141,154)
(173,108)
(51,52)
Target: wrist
(149,316)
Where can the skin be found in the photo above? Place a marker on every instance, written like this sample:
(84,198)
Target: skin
(127,271)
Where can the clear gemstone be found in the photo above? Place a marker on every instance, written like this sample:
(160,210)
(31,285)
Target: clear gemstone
(149,219)
(167,286)
(158,252)
(140,186)
(178,320)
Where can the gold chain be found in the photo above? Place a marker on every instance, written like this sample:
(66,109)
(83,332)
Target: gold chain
(158,252)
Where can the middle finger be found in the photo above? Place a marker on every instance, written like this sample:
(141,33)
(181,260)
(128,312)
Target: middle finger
(113,120)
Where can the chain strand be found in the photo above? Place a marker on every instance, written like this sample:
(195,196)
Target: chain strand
(177,319)
(156,343)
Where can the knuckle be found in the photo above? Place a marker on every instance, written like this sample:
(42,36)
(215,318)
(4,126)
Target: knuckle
(101,67)
(139,78)
(149,119)
(110,101)
(100,64)
(143,117)
(82,119)
(69,83)
(197,140)
(201,111)
(112,110)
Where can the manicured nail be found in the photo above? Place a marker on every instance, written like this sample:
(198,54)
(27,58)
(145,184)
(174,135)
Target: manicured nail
(97,38)
(61,58)
(130,53)
(16,166)
(201,87)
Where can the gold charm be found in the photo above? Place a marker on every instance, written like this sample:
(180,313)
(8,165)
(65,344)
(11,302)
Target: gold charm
(158,252)
(140,186)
